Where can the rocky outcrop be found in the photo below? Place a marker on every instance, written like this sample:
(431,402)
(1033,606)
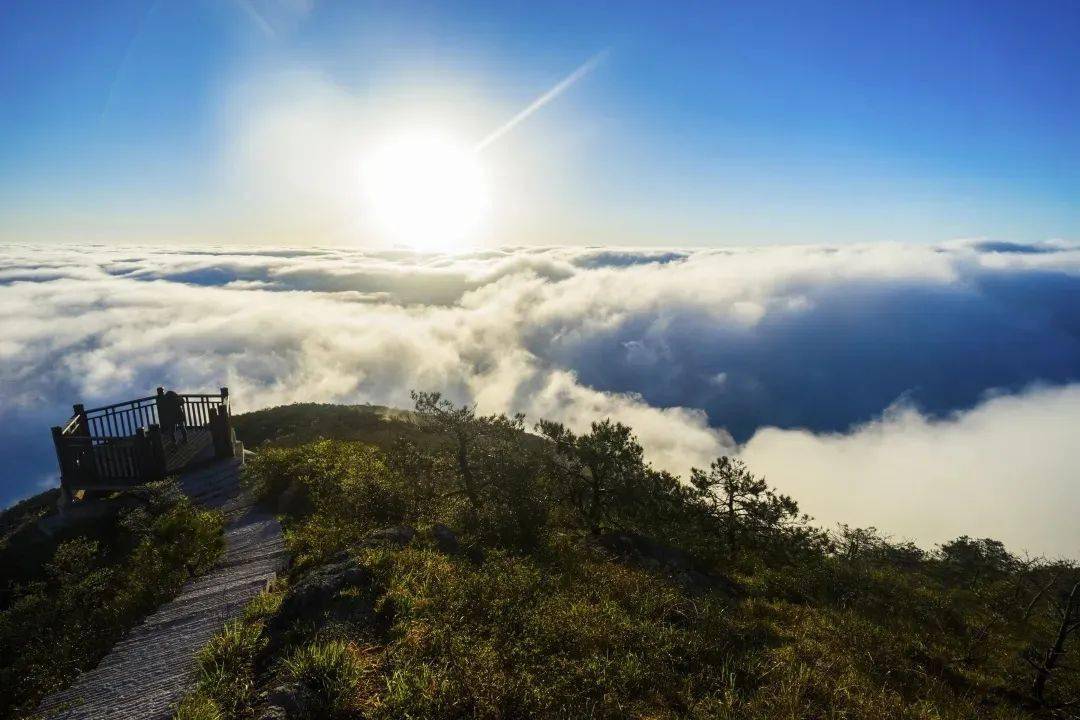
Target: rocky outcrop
(445,539)
(399,535)
(648,554)
(294,500)
(313,598)
(284,701)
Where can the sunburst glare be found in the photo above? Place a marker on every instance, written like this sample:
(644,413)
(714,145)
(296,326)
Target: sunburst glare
(424,190)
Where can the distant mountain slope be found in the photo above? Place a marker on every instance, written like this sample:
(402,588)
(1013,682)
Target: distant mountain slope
(300,423)
(291,425)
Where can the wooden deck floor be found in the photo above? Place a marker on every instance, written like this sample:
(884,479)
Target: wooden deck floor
(198,448)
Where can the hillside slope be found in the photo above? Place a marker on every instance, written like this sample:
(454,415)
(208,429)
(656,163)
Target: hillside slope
(473,570)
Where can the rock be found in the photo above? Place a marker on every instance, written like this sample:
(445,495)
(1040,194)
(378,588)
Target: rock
(445,539)
(283,702)
(631,546)
(313,595)
(90,513)
(397,535)
(695,581)
(273,712)
(655,557)
(651,564)
(294,500)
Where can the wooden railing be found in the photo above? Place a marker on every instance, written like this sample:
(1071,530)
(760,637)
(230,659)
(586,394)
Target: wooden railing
(119,420)
(87,461)
(124,444)
(200,409)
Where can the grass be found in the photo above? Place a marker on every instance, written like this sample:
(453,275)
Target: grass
(330,676)
(225,665)
(198,707)
(573,635)
(580,637)
(517,637)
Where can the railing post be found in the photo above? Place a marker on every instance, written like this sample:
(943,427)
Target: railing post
(144,454)
(156,467)
(61,454)
(61,458)
(221,431)
(83,428)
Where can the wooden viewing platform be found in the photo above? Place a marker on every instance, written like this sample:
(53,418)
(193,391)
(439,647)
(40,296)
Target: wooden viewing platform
(118,446)
(115,447)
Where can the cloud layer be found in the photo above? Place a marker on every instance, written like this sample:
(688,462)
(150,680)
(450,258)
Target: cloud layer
(918,388)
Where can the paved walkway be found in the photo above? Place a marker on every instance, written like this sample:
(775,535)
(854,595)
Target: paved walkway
(151,668)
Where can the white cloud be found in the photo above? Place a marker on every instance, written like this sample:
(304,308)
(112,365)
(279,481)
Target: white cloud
(787,336)
(1006,469)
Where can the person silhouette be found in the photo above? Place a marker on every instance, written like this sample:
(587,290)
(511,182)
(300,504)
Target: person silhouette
(171,416)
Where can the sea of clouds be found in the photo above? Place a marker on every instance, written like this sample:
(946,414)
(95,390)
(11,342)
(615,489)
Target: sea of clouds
(928,390)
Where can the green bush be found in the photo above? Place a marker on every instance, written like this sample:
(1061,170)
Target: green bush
(347,486)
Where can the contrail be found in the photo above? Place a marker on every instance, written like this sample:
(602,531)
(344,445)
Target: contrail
(150,8)
(256,17)
(587,67)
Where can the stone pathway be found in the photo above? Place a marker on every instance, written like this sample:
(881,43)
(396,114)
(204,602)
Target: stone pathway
(151,668)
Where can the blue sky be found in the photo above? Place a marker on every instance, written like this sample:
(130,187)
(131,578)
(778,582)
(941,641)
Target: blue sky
(705,124)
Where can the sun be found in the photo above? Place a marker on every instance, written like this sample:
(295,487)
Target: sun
(424,190)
